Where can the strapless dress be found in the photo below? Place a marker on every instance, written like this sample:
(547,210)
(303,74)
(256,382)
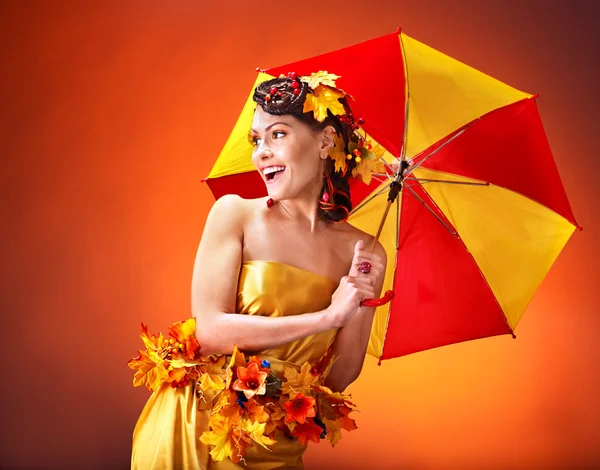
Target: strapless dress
(167,433)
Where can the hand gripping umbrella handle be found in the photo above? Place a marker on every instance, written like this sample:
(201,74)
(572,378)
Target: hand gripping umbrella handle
(389,295)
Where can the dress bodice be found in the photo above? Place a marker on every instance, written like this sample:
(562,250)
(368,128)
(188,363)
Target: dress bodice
(276,289)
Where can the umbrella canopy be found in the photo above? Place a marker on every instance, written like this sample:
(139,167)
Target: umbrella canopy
(482,213)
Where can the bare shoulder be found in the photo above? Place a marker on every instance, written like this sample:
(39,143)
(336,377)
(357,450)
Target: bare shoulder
(232,209)
(231,205)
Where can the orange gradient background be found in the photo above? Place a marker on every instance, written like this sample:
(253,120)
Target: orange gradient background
(112,112)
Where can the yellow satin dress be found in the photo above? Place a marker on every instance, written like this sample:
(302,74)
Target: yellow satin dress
(167,434)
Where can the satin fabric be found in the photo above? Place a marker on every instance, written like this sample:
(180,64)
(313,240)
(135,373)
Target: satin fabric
(167,433)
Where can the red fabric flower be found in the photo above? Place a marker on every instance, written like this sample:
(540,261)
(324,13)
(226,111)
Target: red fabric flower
(299,408)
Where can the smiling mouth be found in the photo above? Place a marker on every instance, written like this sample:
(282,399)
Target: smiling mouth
(272,174)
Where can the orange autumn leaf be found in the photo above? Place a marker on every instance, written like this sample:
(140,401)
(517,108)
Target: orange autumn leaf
(212,376)
(184,332)
(368,165)
(322,99)
(323,367)
(273,425)
(256,360)
(337,153)
(151,341)
(322,77)
(237,360)
(276,409)
(276,412)
(301,382)
(227,438)
(226,399)
(309,431)
(347,423)
(255,412)
(336,397)
(334,430)
(177,375)
(149,370)
(256,431)
(376,149)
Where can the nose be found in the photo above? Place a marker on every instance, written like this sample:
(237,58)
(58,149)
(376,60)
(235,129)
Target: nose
(263,151)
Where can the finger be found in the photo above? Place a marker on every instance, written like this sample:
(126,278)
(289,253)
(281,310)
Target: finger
(358,246)
(358,250)
(366,256)
(374,264)
(365,280)
(358,270)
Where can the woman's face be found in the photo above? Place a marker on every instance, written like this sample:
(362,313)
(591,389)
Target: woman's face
(288,154)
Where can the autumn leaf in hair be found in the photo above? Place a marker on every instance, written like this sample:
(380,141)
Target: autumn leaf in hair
(324,98)
(320,78)
(367,162)
(337,153)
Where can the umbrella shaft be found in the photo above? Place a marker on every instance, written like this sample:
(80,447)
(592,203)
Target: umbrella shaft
(385,213)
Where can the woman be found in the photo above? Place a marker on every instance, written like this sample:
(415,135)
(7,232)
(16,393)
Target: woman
(289,264)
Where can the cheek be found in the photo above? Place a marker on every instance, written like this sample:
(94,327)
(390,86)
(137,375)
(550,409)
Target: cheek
(255,160)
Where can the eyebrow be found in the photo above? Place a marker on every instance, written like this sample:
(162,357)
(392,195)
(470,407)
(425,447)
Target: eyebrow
(275,123)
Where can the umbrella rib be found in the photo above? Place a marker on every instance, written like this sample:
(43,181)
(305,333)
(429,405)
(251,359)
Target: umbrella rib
(452,232)
(366,201)
(398,224)
(413,168)
(388,166)
(377,177)
(427,180)
(405,131)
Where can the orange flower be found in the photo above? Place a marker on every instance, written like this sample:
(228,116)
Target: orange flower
(300,408)
(250,380)
(308,431)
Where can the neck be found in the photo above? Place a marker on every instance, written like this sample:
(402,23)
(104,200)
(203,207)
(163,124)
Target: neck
(304,210)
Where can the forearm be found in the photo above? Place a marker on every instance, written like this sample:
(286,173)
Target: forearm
(350,345)
(219,332)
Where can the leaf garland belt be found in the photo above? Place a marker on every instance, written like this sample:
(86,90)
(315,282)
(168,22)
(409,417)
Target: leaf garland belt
(247,400)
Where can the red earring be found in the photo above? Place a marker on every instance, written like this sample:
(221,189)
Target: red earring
(270,203)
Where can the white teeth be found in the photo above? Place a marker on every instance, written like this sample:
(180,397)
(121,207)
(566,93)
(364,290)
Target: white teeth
(273,169)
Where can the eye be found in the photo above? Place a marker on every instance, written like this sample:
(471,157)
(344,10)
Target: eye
(253,140)
(278,132)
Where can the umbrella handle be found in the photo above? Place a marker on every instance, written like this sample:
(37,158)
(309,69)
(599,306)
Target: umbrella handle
(389,295)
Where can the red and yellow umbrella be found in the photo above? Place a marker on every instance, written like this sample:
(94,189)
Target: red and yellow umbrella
(481,213)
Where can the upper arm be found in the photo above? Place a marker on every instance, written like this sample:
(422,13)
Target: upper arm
(218,260)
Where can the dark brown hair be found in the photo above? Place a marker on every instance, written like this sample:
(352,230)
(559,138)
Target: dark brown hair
(286,102)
